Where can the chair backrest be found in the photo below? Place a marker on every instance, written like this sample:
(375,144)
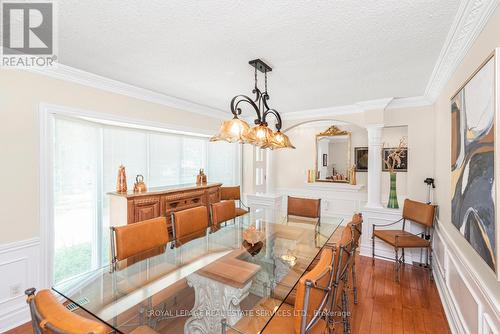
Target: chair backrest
(345,247)
(342,261)
(311,297)
(230,193)
(189,224)
(419,212)
(357,227)
(304,207)
(222,211)
(49,316)
(134,239)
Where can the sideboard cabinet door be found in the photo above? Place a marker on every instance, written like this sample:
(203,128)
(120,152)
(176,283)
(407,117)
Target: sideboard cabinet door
(145,209)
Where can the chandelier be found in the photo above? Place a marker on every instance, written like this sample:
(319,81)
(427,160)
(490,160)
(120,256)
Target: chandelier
(237,130)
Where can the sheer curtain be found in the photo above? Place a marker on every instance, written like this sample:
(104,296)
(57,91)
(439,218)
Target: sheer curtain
(86,160)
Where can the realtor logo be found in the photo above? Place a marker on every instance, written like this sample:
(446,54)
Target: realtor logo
(28,34)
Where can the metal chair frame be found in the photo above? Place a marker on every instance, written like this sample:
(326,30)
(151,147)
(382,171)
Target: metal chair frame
(342,275)
(399,260)
(354,227)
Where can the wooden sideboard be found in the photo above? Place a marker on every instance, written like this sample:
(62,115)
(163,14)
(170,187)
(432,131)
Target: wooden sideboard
(129,208)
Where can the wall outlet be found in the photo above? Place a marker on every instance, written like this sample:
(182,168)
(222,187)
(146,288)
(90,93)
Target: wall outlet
(15,290)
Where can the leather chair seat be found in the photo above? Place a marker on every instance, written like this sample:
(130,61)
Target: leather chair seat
(58,316)
(283,322)
(240,212)
(406,239)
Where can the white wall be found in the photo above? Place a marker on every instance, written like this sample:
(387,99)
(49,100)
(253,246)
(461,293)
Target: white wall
(465,279)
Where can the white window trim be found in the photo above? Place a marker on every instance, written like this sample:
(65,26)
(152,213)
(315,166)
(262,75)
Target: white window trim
(46,117)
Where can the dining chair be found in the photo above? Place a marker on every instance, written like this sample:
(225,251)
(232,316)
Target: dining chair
(310,311)
(304,208)
(222,212)
(419,213)
(50,316)
(234,194)
(342,261)
(356,226)
(137,241)
(189,224)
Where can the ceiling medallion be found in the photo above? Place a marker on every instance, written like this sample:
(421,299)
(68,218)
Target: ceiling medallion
(236,130)
(333,131)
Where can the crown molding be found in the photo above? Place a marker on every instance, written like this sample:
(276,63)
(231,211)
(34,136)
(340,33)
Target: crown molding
(379,104)
(359,107)
(68,73)
(409,102)
(322,112)
(470,20)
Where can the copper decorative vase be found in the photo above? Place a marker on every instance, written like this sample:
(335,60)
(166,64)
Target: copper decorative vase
(121,180)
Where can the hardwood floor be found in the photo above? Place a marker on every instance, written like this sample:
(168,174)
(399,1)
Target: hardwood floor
(412,306)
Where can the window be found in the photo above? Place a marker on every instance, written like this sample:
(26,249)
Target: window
(260,170)
(86,159)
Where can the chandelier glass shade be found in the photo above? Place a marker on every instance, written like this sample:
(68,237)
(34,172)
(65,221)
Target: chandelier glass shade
(233,131)
(237,130)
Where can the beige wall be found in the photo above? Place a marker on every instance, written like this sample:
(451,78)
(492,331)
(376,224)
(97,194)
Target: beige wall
(20,95)
(484,45)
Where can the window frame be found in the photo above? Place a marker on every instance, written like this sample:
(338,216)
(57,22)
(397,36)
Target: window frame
(47,115)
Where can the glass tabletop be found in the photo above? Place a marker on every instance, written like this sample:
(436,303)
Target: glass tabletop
(242,273)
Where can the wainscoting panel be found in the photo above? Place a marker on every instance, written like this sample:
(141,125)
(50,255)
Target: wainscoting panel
(466,303)
(469,307)
(19,270)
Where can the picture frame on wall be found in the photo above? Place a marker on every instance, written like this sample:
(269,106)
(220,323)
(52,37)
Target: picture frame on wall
(474,111)
(325,160)
(403,166)
(361,159)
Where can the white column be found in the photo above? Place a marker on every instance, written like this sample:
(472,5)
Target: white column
(374,165)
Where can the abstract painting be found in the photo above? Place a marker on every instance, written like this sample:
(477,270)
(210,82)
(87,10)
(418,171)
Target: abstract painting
(472,162)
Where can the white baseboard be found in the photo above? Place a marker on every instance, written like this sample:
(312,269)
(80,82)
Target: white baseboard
(19,268)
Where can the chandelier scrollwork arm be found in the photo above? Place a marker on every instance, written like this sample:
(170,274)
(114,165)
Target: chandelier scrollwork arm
(236,109)
(276,115)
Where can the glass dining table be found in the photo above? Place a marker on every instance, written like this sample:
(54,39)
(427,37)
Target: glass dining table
(239,275)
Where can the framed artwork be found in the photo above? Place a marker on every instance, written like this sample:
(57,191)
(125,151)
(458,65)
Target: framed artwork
(403,166)
(325,160)
(361,159)
(473,202)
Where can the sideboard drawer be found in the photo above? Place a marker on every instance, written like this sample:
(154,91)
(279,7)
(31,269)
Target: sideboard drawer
(176,202)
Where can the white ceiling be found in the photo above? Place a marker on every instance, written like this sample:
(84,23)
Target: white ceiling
(323,53)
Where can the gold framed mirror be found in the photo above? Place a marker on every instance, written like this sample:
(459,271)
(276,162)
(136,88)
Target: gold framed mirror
(333,155)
